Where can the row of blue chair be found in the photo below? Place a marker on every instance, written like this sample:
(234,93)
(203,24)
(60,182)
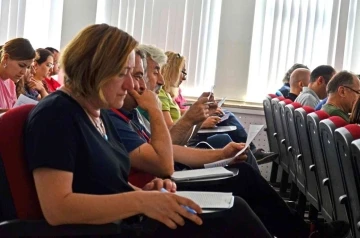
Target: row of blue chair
(321,156)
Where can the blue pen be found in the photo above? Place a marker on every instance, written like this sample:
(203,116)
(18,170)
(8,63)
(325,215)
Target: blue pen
(186,207)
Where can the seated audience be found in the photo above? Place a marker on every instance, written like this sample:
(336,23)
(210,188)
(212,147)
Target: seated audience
(90,167)
(152,156)
(285,89)
(16,56)
(316,90)
(343,90)
(150,151)
(182,130)
(299,78)
(174,73)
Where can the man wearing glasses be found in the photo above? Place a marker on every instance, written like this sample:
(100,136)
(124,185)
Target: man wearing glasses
(343,90)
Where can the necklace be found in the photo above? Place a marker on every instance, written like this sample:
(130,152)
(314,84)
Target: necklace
(100,127)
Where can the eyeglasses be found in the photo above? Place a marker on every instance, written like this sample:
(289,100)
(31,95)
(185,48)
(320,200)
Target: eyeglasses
(50,65)
(184,74)
(355,91)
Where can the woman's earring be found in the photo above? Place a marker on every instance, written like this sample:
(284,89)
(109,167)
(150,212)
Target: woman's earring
(5,65)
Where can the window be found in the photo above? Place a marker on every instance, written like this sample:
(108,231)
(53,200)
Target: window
(37,20)
(312,32)
(189,27)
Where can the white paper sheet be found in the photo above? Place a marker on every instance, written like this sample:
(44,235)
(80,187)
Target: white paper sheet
(253,132)
(23,100)
(200,174)
(215,200)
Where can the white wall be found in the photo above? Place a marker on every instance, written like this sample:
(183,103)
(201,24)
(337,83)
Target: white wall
(234,48)
(77,14)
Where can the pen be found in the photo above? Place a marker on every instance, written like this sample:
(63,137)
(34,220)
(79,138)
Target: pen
(186,207)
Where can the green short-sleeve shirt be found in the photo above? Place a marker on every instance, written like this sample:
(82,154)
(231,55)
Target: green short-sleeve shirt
(168,104)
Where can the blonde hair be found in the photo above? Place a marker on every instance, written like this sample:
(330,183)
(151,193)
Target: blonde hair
(94,56)
(171,72)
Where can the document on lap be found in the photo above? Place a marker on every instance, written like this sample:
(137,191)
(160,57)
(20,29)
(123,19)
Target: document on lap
(209,200)
(194,174)
(253,132)
(23,100)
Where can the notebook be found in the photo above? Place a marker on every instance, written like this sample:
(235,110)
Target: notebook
(193,174)
(209,200)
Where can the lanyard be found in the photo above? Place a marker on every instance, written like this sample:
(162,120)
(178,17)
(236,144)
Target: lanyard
(139,131)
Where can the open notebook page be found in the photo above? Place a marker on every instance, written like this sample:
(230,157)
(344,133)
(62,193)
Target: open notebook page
(201,173)
(210,200)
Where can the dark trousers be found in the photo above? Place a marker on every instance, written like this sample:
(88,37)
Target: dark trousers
(278,218)
(239,221)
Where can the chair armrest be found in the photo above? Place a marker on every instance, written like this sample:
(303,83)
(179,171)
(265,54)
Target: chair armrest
(14,228)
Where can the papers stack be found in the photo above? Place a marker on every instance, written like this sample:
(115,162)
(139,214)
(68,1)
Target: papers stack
(210,200)
(194,174)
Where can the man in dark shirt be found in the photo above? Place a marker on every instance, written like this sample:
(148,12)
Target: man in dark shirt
(285,89)
(299,78)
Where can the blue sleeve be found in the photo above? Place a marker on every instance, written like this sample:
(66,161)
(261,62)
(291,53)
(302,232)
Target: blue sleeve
(129,138)
(319,106)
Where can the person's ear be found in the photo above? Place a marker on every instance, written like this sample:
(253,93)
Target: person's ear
(320,80)
(341,91)
(5,59)
(35,65)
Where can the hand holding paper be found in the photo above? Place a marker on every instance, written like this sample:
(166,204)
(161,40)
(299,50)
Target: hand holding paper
(253,132)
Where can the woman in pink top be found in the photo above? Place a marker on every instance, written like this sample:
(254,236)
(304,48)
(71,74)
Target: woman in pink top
(16,57)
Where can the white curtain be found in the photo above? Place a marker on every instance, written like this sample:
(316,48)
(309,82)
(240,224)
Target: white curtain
(189,27)
(312,32)
(40,21)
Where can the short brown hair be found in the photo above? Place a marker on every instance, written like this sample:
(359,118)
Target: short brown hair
(342,78)
(18,49)
(96,54)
